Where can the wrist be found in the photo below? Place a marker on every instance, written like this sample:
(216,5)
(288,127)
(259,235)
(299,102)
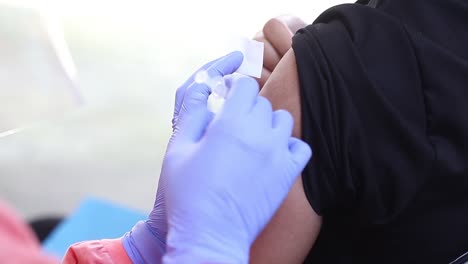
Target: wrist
(142,245)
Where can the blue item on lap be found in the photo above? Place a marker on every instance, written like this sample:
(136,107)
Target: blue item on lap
(93,219)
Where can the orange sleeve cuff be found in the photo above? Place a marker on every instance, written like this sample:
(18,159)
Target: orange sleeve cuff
(97,251)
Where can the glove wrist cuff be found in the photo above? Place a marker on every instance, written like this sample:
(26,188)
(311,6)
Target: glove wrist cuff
(142,245)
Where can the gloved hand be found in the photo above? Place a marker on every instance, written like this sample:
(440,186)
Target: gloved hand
(225,177)
(146,243)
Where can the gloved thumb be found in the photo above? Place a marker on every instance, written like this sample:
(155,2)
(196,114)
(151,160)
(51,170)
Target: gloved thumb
(300,153)
(195,97)
(191,125)
(180,93)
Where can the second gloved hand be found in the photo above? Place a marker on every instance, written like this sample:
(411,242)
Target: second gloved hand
(146,243)
(226,177)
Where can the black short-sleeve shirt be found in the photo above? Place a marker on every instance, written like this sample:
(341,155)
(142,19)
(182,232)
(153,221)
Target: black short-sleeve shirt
(384,102)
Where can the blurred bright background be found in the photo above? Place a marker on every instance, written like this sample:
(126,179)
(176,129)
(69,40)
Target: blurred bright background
(130,56)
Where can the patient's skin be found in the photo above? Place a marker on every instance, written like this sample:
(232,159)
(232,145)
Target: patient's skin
(277,36)
(293,230)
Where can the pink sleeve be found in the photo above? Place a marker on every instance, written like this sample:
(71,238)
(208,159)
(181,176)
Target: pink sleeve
(18,243)
(98,251)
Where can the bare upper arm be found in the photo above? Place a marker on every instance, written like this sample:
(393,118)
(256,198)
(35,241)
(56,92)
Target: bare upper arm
(294,228)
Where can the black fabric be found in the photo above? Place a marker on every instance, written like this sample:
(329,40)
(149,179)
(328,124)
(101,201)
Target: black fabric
(43,227)
(384,99)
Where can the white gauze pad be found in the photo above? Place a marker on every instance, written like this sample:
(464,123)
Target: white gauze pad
(252,65)
(253,57)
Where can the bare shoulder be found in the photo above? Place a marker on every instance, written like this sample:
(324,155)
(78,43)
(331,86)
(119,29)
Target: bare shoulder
(293,230)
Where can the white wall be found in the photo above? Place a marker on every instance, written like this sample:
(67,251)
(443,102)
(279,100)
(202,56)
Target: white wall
(130,55)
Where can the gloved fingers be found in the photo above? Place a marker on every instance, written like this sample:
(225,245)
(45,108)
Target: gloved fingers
(222,66)
(263,112)
(195,97)
(192,125)
(226,65)
(242,96)
(180,93)
(300,153)
(283,123)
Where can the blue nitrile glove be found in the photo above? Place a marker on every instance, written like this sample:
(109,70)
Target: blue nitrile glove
(146,243)
(225,177)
